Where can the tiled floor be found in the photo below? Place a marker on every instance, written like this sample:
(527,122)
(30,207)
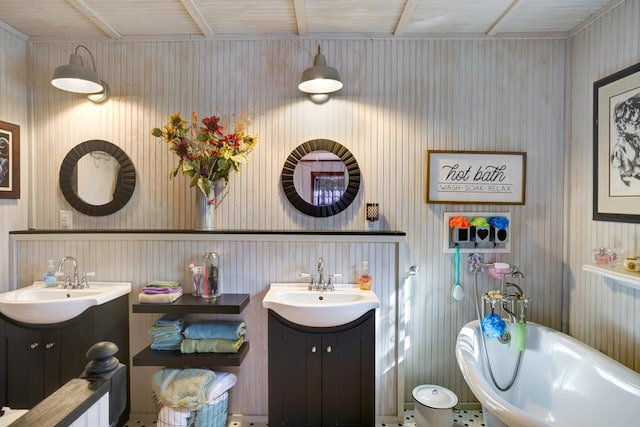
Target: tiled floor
(460,419)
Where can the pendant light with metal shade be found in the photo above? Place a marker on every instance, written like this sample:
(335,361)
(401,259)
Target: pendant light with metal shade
(75,77)
(320,80)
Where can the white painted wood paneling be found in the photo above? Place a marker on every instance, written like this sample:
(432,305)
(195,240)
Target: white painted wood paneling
(401,98)
(602,313)
(247,264)
(14,107)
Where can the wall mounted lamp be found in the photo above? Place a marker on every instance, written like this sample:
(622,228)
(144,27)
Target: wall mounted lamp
(320,80)
(75,77)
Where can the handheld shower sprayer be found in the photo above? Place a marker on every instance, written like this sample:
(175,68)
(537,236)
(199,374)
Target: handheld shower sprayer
(513,304)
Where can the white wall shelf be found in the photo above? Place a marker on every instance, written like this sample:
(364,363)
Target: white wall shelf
(618,274)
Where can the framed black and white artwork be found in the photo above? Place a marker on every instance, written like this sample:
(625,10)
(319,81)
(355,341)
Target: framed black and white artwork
(9,161)
(616,147)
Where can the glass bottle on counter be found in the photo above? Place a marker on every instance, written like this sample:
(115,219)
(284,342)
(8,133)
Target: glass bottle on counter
(365,279)
(212,275)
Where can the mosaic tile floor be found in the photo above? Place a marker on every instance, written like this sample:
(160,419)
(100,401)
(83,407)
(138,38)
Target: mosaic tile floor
(460,419)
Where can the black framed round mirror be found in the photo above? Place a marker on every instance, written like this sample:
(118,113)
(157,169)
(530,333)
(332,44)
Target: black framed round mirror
(318,192)
(97,178)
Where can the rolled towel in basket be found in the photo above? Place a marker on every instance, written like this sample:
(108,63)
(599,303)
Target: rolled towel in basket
(214,413)
(225,329)
(224,382)
(173,417)
(216,345)
(182,388)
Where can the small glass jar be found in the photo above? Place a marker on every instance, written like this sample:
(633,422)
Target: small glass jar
(197,277)
(632,264)
(601,256)
(212,275)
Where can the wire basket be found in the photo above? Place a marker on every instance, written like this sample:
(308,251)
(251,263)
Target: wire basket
(212,414)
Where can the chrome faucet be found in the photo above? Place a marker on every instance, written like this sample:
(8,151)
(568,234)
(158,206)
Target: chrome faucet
(67,279)
(321,283)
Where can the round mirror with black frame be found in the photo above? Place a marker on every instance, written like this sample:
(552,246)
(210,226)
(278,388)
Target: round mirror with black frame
(351,178)
(110,156)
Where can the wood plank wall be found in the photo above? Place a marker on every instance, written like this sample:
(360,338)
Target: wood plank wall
(247,265)
(401,98)
(602,313)
(14,107)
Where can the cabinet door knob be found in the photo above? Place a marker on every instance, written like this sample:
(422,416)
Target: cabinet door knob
(313,349)
(34,345)
(49,345)
(329,349)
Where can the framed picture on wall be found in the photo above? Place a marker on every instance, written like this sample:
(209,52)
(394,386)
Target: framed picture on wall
(9,161)
(616,147)
(478,177)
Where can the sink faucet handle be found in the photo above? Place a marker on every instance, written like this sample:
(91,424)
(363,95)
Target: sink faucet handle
(330,285)
(312,280)
(84,283)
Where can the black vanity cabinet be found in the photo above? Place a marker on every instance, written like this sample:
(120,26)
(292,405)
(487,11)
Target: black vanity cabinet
(35,360)
(322,376)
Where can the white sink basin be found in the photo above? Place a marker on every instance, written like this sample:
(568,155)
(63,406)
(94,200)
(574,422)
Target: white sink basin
(296,303)
(39,305)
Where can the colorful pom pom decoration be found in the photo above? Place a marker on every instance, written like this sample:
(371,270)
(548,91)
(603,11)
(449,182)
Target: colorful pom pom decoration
(479,221)
(499,222)
(459,222)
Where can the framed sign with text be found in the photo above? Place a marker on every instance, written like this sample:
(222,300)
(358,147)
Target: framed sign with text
(478,177)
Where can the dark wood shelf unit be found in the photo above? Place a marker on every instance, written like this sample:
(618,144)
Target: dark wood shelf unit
(225,304)
(188,304)
(176,359)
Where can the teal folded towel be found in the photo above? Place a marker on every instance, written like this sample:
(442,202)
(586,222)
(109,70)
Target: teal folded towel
(182,388)
(213,413)
(223,329)
(165,346)
(170,320)
(156,331)
(168,338)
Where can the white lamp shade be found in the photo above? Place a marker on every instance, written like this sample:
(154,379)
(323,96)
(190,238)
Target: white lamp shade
(320,78)
(75,77)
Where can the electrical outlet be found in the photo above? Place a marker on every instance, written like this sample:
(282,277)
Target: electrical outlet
(66,220)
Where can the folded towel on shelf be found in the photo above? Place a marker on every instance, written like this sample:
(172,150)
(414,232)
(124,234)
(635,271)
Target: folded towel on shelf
(170,319)
(156,331)
(169,337)
(216,345)
(163,284)
(182,388)
(224,382)
(224,329)
(166,346)
(155,290)
(159,298)
(172,417)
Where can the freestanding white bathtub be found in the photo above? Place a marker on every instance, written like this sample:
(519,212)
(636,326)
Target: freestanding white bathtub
(562,382)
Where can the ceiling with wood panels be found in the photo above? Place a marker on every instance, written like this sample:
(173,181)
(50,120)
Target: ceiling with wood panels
(59,20)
